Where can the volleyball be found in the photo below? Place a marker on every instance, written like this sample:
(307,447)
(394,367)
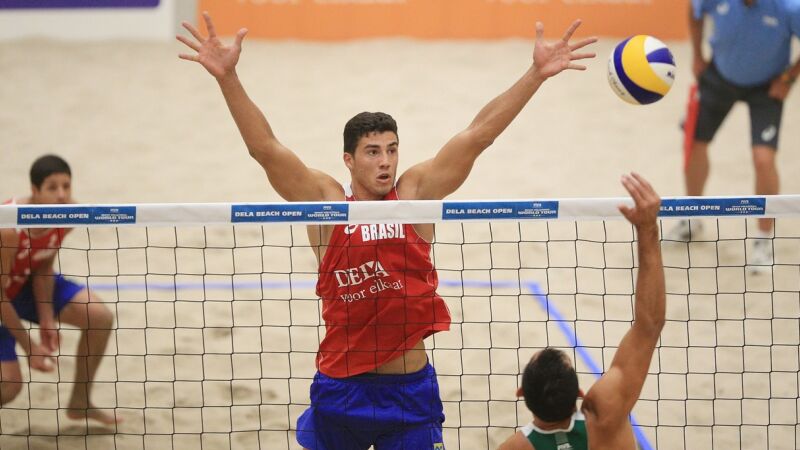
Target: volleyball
(641,70)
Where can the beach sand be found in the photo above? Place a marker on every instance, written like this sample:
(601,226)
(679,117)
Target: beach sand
(205,359)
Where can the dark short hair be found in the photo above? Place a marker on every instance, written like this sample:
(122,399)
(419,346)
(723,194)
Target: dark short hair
(363,124)
(45,166)
(550,386)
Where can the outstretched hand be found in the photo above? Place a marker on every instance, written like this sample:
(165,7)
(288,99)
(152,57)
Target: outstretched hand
(217,58)
(646,202)
(551,58)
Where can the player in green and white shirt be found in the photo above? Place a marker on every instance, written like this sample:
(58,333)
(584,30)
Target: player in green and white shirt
(550,384)
(573,437)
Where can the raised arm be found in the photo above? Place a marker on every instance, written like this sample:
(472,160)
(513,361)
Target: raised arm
(438,177)
(290,177)
(613,396)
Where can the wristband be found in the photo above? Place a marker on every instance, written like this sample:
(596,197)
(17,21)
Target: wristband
(787,78)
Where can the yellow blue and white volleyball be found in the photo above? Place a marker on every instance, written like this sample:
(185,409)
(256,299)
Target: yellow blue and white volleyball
(641,70)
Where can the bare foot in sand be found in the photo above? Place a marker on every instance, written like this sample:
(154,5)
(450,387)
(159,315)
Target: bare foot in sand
(104,416)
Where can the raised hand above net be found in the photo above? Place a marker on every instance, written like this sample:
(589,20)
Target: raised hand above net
(219,59)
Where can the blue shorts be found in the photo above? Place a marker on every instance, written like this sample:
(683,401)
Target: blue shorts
(63,292)
(717,97)
(387,411)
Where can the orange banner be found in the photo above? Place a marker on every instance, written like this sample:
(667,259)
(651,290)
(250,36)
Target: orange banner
(445,19)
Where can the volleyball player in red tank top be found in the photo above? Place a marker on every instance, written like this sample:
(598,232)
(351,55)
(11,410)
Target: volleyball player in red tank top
(377,282)
(31,290)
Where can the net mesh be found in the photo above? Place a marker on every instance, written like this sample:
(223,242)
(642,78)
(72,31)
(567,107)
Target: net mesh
(217,328)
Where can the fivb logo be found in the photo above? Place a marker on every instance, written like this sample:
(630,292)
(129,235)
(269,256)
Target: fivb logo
(438,446)
(357,275)
(375,232)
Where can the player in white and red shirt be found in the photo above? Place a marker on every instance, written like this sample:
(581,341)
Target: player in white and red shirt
(374,386)
(31,290)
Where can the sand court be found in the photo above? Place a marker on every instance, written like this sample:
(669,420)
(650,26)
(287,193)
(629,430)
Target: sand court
(217,327)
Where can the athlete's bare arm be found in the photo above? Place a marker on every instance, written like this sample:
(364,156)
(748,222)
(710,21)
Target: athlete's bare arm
(779,87)
(611,399)
(438,177)
(290,177)
(8,315)
(43,280)
(699,63)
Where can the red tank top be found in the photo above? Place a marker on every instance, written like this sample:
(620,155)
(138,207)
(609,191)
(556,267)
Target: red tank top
(31,253)
(378,290)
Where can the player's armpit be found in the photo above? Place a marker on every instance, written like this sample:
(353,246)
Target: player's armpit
(293,180)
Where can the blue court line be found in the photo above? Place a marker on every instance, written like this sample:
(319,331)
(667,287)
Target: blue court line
(531,286)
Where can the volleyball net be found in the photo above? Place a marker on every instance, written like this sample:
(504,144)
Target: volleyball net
(217,321)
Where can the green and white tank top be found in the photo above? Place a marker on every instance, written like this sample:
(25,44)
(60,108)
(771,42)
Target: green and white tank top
(572,438)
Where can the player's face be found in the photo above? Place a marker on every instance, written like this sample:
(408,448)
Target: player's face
(373,165)
(55,189)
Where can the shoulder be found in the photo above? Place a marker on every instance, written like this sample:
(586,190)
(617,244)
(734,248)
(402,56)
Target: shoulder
(17,201)
(600,408)
(516,442)
(600,418)
(332,190)
(9,241)
(8,236)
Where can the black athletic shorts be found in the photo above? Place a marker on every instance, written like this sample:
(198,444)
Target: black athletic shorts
(717,97)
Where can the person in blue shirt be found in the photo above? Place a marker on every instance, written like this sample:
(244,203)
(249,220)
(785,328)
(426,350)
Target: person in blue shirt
(750,62)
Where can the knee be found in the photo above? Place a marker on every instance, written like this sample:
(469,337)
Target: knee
(10,387)
(698,153)
(764,160)
(100,316)
(700,148)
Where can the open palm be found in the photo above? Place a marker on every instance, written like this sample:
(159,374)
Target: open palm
(219,59)
(646,202)
(551,58)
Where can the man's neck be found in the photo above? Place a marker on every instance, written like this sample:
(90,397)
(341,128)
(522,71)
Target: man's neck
(549,426)
(360,194)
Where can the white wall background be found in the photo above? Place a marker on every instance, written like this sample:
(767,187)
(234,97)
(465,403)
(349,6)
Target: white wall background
(158,23)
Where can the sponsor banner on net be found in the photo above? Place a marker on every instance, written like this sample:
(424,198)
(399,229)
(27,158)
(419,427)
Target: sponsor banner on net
(740,206)
(293,212)
(500,210)
(75,215)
